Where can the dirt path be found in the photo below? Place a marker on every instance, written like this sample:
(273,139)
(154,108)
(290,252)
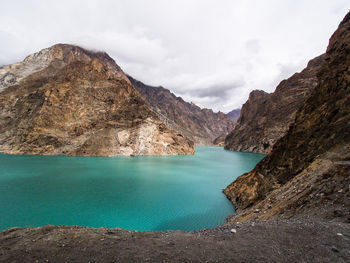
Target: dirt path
(283,241)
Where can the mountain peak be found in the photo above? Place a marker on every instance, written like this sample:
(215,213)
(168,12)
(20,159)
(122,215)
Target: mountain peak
(67,100)
(56,56)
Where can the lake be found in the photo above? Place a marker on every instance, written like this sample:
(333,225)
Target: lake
(134,193)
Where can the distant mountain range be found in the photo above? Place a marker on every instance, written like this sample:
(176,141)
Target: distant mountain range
(202,126)
(71,101)
(234,114)
(68,100)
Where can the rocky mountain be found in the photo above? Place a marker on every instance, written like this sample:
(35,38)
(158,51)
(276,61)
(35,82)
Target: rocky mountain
(67,100)
(307,174)
(234,114)
(200,125)
(266,117)
(219,141)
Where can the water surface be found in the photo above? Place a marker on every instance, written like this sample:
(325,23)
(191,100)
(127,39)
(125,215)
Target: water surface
(135,193)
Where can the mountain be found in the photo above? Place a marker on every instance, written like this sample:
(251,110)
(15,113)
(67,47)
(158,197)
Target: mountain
(68,100)
(307,174)
(234,114)
(200,125)
(266,117)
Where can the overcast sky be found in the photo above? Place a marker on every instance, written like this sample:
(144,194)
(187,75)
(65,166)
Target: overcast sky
(210,52)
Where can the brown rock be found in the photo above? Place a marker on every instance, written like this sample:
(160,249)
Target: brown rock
(67,100)
(266,117)
(309,168)
(220,141)
(200,125)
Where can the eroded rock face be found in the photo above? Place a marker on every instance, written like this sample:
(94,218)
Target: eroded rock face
(266,117)
(67,100)
(200,125)
(220,141)
(309,168)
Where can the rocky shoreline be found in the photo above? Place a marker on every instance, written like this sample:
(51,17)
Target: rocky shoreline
(308,170)
(255,241)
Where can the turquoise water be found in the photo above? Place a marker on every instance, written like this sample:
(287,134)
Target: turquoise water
(135,193)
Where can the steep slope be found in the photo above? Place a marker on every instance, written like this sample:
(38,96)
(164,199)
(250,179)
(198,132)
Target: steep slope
(266,117)
(220,141)
(67,100)
(234,114)
(308,172)
(200,125)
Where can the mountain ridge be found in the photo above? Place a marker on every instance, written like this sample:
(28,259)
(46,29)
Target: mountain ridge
(202,126)
(307,174)
(68,100)
(266,117)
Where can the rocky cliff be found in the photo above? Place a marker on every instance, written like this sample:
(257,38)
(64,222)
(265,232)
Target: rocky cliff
(308,171)
(67,100)
(234,114)
(200,125)
(266,117)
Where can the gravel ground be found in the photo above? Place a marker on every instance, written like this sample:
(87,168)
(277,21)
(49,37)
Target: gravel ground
(270,241)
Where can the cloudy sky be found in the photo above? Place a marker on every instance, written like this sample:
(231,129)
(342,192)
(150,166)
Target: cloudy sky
(210,52)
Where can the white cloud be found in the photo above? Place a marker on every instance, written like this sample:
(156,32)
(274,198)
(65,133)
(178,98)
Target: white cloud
(210,52)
